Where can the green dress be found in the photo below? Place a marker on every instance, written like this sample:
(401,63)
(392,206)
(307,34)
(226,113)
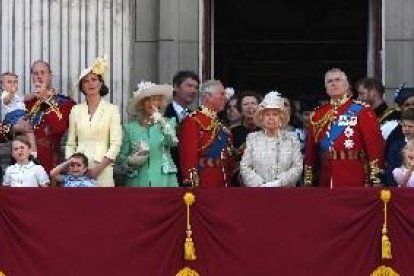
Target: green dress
(159,170)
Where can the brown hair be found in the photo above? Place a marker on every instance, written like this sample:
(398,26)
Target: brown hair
(104,89)
(41,62)
(22,139)
(81,156)
(5,74)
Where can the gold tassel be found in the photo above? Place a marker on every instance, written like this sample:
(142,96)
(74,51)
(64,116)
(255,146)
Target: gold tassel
(189,248)
(385,241)
(186,271)
(385,196)
(386,247)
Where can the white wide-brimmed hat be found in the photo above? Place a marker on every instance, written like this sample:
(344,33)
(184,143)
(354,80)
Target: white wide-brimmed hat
(148,89)
(272,100)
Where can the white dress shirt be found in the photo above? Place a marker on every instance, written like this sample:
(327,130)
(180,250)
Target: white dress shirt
(181,111)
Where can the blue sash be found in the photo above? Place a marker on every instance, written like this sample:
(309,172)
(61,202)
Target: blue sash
(215,148)
(336,129)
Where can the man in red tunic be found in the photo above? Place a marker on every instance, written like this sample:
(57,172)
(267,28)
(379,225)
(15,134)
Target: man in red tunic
(344,142)
(204,143)
(49,115)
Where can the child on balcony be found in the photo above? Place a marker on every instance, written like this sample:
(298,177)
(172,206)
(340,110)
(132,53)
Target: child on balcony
(24,173)
(76,168)
(13,107)
(404,175)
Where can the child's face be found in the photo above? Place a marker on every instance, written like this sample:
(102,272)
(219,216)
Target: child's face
(9,83)
(76,167)
(408,129)
(408,156)
(20,152)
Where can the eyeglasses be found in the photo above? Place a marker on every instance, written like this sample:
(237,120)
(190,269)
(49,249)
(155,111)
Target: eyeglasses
(75,164)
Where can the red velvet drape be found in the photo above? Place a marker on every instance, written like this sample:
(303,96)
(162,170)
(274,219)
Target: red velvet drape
(122,231)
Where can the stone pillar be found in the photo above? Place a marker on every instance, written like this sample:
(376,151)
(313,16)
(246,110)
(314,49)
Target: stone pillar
(166,39)
(399,44)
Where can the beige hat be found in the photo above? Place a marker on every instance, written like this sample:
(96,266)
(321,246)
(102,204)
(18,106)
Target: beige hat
(272,100)
(148,89)
(98,67)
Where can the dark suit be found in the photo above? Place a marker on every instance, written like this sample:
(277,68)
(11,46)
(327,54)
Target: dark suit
(171,113)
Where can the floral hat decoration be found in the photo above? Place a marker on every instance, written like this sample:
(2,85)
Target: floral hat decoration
(98,67)
(272,100)
(147,89)
(403,93)
(229,92)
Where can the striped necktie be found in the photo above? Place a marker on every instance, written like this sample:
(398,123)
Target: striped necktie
(183,114)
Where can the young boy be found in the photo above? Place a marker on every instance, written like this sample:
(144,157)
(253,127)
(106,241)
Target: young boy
(393,158)
(76,167)
(13,107)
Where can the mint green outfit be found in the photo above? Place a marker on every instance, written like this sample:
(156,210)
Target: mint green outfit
(159,170)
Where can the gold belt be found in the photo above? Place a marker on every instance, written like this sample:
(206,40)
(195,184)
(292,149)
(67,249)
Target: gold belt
(346,155)
(208,162)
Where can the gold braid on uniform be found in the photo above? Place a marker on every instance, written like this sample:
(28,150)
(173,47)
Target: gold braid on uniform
(308,176)
(374,172)
(318,125)
(213,126)
(387,112)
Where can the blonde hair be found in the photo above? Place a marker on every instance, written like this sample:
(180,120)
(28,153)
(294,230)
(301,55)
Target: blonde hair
(404,152)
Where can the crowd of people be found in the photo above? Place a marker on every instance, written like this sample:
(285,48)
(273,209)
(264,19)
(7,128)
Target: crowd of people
(230,139)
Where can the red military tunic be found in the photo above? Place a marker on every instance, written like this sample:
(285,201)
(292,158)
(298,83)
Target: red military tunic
(355,158)
(204,150)
(50,121)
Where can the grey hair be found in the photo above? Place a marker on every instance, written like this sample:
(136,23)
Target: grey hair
(337,70)
(207,88)
(344,77)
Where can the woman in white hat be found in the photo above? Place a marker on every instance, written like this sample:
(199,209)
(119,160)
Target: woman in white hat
(95,126)
(272,156)
(145,150)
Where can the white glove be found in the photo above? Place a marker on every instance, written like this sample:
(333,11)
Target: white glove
(136,160)
(158,118)
(275,183)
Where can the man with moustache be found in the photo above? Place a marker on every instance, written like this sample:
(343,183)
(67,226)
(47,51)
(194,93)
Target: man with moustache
(344,141)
